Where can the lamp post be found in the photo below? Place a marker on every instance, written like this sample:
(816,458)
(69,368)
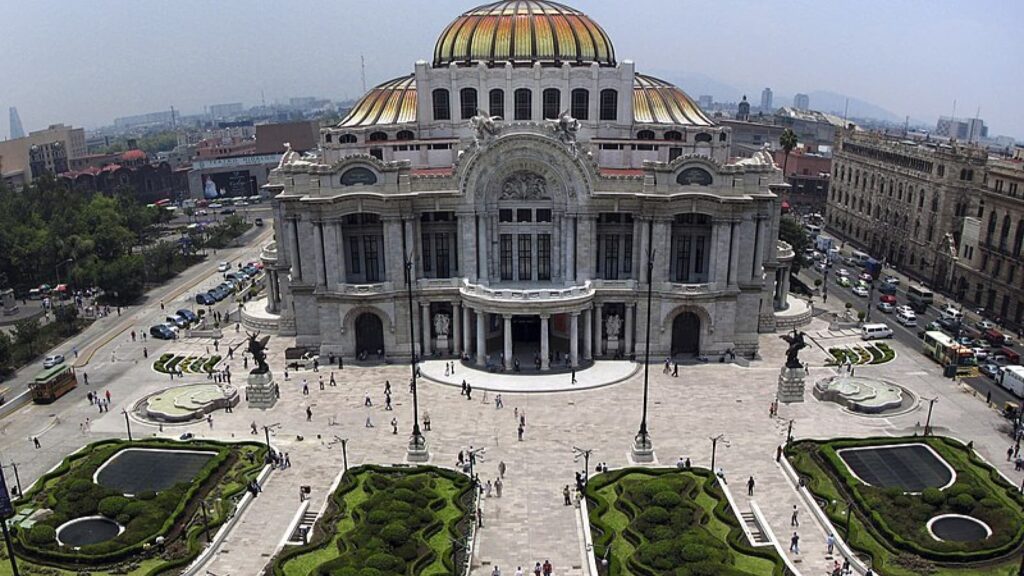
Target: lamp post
(643,448)
(585,454)
(714,451)
(928,421)
(17,478)
(344,450)
(7,511)
(127,423)
(266,434)
(417,451)
(789,433)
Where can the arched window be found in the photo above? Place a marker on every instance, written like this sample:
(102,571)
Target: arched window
(524,104)
(645,135)
(1004,234)
(723,137)
(609,104)
(991,230)
(580,108)
(442,107)
(378,136)
(348,139)
(552,100)
(358,175)
(467,102)
(673,135)
(920,199)
(1019,240)
(496,103)
(702,137)
(327,137)
(935,203)
(405,135)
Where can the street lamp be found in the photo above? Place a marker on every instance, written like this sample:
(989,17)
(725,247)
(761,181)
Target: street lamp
(585,454)
(417,451)
(127,423)
(266,434)
(643,447)
(17,478)
(6,512)
(928,421)
(344,450)
(714,451)
(789,433)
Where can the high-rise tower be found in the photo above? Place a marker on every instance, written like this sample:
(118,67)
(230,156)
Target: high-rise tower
(17,130)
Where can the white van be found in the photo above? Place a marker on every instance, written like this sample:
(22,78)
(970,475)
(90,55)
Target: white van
(907,317)
(873,331)
(952,313)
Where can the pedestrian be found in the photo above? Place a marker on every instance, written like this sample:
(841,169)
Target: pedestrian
(35,442)
(497,486)
(394,425)
(309,413)
(520,431)
(107,394)
(252,428)
(462,392)
(487,490)
(794,520)
(573,372)
(387,402)
(369,421)
(469,392)
(85,378)
(565,495)
(367,402)
(89,397)
(496,571)
(778,453)
(794,543)
(426,421)
(497,402)
(830,542)
(209,420)
(537,569)
(287,461)
(548,569)
(305,387)
(321,382)
(750,486)
(145,352)
(333,382)
(675,369)
(1009,453)
(501,469)
(387,386)
(519,571)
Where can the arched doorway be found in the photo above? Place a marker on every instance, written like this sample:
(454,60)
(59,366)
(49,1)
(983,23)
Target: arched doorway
(686,333)
(369,334)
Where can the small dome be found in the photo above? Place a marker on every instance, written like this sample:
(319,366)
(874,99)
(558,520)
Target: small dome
(393,102)
(133,155)
(658,102)
(523,32)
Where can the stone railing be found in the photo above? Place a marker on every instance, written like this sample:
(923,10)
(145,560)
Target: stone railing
(365,289)
(687,289)
(268,255)
(526,295)
(435,283)
(600,284)
(785,252)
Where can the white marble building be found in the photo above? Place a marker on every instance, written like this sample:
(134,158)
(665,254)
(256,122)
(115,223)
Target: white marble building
(528,175)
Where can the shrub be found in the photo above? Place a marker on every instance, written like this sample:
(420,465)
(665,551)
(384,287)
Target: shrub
(386,563)
(933,496)
(394,533)
(111,506)
(963,503)
(667,499)
(41,535)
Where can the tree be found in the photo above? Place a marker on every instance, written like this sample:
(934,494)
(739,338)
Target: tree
(27,333)
(793,233)
(6,351)
(788,141)
(66,318)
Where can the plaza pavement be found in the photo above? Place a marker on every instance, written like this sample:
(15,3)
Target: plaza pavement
(528,523)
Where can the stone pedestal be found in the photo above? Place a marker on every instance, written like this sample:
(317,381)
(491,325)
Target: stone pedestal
(613,346)
(261,390)
(443,345)
(417,451)
(791,385)
(642,451)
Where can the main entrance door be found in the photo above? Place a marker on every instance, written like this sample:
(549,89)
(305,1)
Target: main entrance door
(369,334)
(686,334)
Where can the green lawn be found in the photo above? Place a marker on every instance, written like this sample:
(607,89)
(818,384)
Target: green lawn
(666,521)
(889,526)
(399,521)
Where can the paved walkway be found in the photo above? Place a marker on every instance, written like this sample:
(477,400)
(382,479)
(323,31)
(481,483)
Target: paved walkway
(600,373)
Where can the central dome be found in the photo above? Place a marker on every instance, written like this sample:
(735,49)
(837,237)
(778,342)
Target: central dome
(524,32)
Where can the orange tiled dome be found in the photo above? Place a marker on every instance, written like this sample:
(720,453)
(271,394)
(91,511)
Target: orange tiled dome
(524,31)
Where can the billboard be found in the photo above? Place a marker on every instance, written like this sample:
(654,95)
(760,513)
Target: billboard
(237,183)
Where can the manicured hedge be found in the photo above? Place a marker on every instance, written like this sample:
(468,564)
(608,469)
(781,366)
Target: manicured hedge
(70,492)
(667,527)
(394,522)
(897,521)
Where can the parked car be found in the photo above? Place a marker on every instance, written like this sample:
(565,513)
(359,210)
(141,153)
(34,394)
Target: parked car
(258,221)
(162,332)
(53,360)
(205,299)
(886,307)
(176,321)
(188,315)
(860,290)
(843,281)
(989,369)
(224,267)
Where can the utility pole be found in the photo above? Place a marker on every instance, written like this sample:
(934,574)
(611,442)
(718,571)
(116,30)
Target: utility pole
(266,434)
(17,479)
(585,454)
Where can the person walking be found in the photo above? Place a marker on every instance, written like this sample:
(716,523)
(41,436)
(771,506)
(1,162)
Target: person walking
(750,486)
(565,495)
(537,569)
(387,402)
(501,469)
(469,391)
(794,543)
(794,520)
(305,388)
(35,442)
(309,413)
(252,428)
(367,402)
(520,431)
(548,569)
(675,369)
(573,372)
(333,381)
(496,571)
(519,571)
(107,394)
(497,486)
(462,392)
(394,425)
(209,420)
(830,542)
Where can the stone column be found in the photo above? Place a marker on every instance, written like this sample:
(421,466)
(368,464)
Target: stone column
(713,253)
(758,263)
(785,287)
(508,340)
(271,284)
(467,248)
(394,263)
(294,256)
(457,329)
(332,254)
(734,252)
(412,246)
(426,330)
(661,241)
(574,339)
(630,312)
(569,237)
(341,274)
(586,244)
(481,338)
(638,255)
(318,252)
(556,249)
(545,365)
(588,334)
(598,336)
(467,330)
(483,243)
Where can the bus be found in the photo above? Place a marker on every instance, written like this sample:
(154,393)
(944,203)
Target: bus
(943,349)
(52,383)
(920,298)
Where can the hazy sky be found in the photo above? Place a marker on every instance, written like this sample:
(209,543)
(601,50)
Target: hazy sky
(87,61)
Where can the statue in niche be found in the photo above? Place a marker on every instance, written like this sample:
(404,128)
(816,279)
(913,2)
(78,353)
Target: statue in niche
(524,186)
(441,325)
(612,326)
(485,128)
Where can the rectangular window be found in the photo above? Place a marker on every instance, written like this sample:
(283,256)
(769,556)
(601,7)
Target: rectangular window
(524,215)
(505,215)
(580,109)
(425,246)
(552,100)
(497,103)
(674,153)
(543,215)
(353,245)
(683,259)
(611,257)
(698,260)
(523,104)
(525,257)
(442,108)
(467,100)
(443,259)
(506,256)
(627,254)
(543,257)
(609,104)
(372,269)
